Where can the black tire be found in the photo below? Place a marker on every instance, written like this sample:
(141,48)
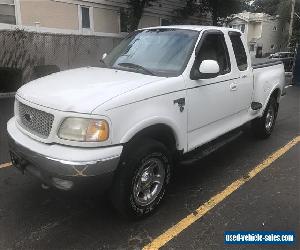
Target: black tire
(134,175)
(263,127)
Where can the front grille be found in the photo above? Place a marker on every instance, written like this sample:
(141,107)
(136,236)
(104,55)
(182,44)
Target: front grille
(35,121)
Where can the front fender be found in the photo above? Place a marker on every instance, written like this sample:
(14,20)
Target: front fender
(180,143)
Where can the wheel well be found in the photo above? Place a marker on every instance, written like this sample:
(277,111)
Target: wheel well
(276,94)
(158,132)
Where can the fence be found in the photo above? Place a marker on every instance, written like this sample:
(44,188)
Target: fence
(27,55)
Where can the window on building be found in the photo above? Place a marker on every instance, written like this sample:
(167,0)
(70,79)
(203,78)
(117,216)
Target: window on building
(239,51)
(214,48)
(275,28)
(240,27)
(85,18)
(252,47)
(273,46)
(164,22)
(243,26)
(7,12)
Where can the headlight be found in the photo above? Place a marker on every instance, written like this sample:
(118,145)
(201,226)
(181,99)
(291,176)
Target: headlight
(84,130)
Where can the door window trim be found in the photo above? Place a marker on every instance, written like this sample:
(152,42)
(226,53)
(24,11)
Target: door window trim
(199,45)
(235,33)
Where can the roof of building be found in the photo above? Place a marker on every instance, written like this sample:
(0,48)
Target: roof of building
(252,17)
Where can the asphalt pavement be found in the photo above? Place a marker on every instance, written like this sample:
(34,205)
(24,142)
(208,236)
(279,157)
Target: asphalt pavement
(35,218)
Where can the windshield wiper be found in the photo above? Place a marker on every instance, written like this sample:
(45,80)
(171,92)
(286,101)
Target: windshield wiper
(136,66)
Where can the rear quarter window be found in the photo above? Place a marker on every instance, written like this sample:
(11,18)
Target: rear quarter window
(239,51)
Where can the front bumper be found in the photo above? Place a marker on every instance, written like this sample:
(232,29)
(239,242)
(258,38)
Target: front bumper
(62,166)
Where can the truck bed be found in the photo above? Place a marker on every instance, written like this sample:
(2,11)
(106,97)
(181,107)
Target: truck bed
(267,74)
(264,62)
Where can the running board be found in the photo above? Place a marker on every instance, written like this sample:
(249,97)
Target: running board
(210,147)
(256,105)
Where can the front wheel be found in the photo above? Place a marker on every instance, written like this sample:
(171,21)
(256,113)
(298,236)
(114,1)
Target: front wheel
(263,126)
(142,179)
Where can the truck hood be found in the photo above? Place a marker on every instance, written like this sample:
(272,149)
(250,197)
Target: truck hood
(82,90)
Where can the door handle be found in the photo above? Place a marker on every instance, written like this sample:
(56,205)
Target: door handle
(233,86)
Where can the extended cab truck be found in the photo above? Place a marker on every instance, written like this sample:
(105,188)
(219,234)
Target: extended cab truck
(162,92)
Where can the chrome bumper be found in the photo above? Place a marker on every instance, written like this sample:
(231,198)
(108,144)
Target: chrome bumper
(62,173)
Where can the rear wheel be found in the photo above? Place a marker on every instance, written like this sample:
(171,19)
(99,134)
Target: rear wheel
(142,178)
(263,126)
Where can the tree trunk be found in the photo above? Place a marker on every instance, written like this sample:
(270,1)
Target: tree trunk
(136,13)
(134,24)
(215,16)
(215,21)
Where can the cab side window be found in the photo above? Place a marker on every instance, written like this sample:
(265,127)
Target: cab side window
(214,48)
(239,51)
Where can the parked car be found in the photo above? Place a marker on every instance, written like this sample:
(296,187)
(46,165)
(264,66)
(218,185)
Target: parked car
(164,94)
(288,59)
(280,55)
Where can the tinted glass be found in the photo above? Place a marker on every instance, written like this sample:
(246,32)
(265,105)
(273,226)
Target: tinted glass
(164,52)
(214,47)
(239,52)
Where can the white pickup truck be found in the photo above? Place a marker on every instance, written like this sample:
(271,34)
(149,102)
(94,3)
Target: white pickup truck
(162,92)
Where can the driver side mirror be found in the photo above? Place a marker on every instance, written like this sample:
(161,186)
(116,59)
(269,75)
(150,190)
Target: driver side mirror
(208,69)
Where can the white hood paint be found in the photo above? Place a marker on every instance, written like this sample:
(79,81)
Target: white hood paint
(82,90)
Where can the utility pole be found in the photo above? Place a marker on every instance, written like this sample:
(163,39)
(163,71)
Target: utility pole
(292,20)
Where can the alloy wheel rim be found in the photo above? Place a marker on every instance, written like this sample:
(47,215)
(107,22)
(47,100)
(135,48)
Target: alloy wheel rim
(270,118)
(149,182)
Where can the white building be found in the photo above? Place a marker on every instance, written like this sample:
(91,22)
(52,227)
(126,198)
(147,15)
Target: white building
(265,34)
(88,17)
(40,36)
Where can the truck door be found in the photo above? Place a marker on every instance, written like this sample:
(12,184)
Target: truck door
(243,73)
(211,102)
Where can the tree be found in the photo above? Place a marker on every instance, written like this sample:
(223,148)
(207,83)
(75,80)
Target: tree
(222,9)
(295,39)
(191,8)
(265,6)
(282,8)
(273,7)
(219,9)
(131,17)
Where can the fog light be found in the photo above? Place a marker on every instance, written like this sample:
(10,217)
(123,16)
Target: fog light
(62,184)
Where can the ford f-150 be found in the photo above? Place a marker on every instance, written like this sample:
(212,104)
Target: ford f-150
(159,97)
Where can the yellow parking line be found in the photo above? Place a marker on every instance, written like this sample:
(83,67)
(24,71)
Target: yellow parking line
(172,232)
(5,165)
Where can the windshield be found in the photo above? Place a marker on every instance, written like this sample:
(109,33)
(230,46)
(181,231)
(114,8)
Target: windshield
(161,52)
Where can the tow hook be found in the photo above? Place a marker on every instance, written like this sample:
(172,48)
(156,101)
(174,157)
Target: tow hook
(19,163)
